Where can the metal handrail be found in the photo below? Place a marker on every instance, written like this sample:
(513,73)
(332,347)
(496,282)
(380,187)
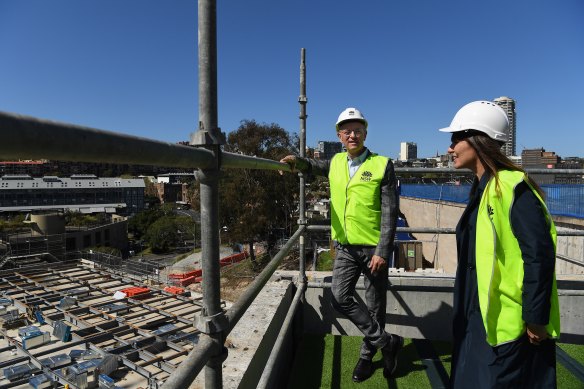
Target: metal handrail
(450,170)
(27,137)
(198,357)
(438,230)
(281,339)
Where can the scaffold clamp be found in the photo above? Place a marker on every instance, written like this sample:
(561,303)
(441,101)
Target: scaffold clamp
(211,324)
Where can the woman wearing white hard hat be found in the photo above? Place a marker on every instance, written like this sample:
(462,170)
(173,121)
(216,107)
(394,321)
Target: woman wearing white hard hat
(505,313)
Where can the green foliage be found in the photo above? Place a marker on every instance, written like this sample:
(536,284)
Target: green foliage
(162,229)
(78,219)
(139,223)
(162,235)
(255,202)
(324,261)
(12,223)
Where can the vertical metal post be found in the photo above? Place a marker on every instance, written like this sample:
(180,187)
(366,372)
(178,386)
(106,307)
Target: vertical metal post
(212,320)
(302,202)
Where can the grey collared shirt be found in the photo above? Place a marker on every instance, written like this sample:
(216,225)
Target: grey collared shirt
(354,163)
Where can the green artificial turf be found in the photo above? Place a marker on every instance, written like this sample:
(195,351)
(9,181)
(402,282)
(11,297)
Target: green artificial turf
(576,351)
(327,361)
(567,380)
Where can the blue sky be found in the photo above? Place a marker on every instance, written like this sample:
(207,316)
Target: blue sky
(131,66)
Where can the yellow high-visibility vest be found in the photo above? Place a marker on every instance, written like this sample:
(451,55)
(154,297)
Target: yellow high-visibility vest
(499,263)
(356,202)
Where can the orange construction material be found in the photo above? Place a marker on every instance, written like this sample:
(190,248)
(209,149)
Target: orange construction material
(135,291)
(174,290)
(231,259)
(182,276)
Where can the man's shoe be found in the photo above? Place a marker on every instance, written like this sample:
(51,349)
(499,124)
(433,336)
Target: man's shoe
(363,370)
(389,352)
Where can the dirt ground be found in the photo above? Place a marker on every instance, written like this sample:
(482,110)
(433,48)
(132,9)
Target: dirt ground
(236,278)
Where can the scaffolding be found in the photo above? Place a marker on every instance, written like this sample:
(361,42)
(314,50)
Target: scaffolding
(61,141)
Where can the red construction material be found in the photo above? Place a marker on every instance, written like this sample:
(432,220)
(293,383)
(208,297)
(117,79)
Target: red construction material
(191,277)
(231,259)
(135,291)
(182,276)
(174,290)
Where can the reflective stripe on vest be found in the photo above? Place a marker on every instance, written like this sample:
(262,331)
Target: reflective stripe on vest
(499,264)
(356,202)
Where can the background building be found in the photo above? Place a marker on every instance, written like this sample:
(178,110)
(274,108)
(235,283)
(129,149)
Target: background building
(40,168)
(540,159)
(408,150)
(508,105)
(326,149)
(81,193)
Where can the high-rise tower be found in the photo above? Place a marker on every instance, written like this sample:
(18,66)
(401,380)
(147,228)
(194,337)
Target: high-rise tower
(508,105)
(408,150)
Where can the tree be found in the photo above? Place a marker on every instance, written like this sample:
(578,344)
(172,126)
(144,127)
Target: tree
(139,223)
(162,235)
(253,203)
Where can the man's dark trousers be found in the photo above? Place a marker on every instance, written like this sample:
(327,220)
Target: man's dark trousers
(350,262)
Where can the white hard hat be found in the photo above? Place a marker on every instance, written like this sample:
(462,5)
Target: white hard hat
(351,114)
(483,116)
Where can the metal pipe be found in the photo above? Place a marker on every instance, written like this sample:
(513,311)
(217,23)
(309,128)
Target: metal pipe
(232,160)
(282,335)
(26,137)
(188,370)
(210,135)
(207,23)
(436,230)
(571,260)
(302,179)
(238,309)
(469,172)
(409,288)
(192,365)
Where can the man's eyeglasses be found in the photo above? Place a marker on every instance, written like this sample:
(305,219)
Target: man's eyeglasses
(358,132)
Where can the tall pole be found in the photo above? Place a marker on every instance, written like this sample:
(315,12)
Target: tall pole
(302,202)
(212,320)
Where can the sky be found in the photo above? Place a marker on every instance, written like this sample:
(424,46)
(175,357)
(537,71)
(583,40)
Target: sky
(131,66)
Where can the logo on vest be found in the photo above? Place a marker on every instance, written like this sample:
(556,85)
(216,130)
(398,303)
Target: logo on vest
(490,210)
(366,176)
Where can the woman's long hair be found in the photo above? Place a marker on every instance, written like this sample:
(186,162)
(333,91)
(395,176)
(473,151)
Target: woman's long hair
(490,154)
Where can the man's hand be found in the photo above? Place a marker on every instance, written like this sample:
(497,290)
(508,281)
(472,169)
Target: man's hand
(536,333)
(376,263)
(291,161)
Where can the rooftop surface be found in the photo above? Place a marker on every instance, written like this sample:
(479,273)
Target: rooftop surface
(327,361)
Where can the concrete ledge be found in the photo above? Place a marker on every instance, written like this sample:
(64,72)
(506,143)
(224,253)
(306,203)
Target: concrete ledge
(250,342)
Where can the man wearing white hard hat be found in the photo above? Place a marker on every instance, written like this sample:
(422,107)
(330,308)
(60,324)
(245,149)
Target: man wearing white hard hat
(505,306)
(363,220)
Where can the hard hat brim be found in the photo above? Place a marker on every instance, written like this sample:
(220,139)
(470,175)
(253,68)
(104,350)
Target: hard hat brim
(450,129)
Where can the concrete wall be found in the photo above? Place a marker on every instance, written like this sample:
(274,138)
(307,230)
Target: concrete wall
(421,307)
(440,249)
(571,247)
(47,224)
(115,232)
(417,307)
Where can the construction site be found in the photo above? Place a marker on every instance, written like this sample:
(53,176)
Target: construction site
(82,319)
